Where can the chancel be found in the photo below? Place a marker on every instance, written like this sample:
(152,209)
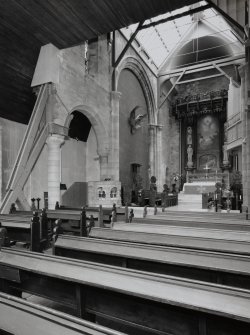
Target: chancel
(125,163)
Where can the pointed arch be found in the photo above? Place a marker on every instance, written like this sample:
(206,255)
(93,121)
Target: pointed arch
(134,65)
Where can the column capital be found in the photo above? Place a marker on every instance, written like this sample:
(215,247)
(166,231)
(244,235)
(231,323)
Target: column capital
(55,140)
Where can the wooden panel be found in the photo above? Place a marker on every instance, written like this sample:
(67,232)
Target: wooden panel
(7,272)
(152,317)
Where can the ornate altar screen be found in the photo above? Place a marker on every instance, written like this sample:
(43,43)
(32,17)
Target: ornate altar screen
(208,149)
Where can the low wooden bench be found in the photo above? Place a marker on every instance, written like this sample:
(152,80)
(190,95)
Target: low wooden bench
(18,316)
(142,302)
(191,242)
(224,268)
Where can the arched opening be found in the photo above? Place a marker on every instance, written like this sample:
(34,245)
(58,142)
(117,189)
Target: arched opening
(133,133)
(79,127)
(80,161)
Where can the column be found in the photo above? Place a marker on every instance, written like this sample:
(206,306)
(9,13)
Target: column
(1,165)
(115,137)
(160,175)
(151,170)
(245,130)
(54,143)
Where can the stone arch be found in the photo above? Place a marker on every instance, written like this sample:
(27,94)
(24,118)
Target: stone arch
(132,64)
(97,124)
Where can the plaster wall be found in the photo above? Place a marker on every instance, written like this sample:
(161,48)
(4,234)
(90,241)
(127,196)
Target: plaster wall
(92,158)
(134,148)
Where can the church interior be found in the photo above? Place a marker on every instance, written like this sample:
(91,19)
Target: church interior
(124,167)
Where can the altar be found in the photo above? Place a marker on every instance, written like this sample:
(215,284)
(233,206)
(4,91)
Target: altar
(199,187)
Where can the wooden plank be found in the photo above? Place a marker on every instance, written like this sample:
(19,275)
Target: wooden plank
(220,245)
(42,320)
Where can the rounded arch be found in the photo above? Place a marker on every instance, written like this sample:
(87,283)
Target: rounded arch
(97,124)
(132,64)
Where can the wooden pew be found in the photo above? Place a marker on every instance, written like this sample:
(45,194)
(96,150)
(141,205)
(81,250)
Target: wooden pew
(18,316)
(240,225)
(224,268)
(101,215)
(191,242)
(224,234)
(206,214)
(147,303)
(30,230)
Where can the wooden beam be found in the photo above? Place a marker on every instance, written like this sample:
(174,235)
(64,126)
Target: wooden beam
(206,65)
(127,45)
(177,16)
(226,75)
(165,98)
(201,78)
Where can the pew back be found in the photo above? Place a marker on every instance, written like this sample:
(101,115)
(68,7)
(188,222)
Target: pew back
(192,242)
(150,303)
(225,268)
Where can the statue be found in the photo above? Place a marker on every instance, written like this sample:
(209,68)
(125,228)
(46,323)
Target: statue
(135,121)
(190,156)
(189,136)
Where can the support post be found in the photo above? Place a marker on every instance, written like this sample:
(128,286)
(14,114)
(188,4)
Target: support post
(35,233)
(54,143)
(83,224)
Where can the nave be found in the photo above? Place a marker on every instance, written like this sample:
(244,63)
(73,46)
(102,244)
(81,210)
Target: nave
(154,275)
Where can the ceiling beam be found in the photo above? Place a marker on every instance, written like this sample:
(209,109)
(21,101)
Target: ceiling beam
(200,78)
(177,81)
(227,76)
(127,45)
(203,66)
(177,16)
